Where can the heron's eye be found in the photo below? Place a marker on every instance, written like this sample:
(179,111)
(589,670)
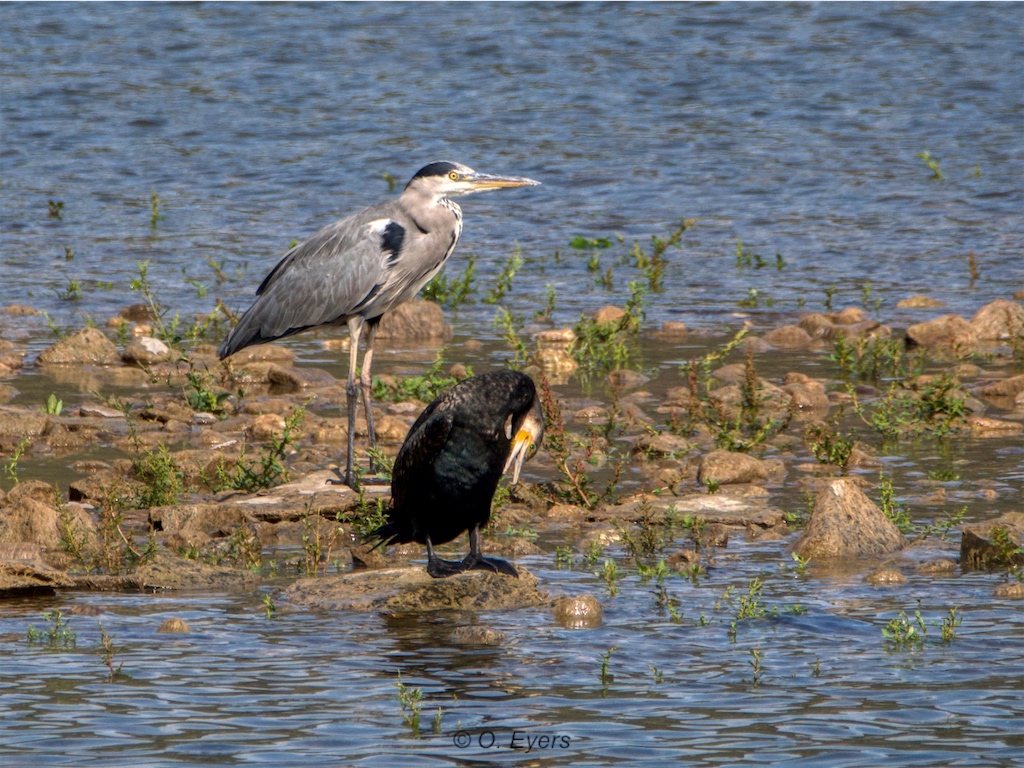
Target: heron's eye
(453,175)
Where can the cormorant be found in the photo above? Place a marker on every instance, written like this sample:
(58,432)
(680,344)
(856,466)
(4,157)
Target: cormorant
(448,468)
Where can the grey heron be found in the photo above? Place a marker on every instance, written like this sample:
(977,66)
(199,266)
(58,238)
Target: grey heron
(353,271)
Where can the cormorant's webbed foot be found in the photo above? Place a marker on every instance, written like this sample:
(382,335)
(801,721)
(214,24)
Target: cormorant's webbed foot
(493,564)
(442,569)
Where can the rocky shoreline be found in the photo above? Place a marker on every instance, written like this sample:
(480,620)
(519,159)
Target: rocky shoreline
(252,455)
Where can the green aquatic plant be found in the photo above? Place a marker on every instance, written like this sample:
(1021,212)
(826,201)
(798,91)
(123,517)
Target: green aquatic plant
(756,657)
(154,209)
(902,634)
(411,701)
(58,633)
(269,469)
(55,208)
(425,387)
(108,651)
(582,243)
(950,624)
(605,659)
(932,163)
(504,282)
(455,292)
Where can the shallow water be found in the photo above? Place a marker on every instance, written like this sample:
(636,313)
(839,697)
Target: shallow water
(793,128)
(320,688)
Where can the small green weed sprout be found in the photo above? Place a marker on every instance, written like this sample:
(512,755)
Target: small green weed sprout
(107,652)
(411,700)
(904,635)
(57,635)
(932,163)
(504,282)
(606,677)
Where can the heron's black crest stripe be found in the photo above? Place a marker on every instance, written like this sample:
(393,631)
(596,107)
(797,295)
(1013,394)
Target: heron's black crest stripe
(391,240)
(434,169)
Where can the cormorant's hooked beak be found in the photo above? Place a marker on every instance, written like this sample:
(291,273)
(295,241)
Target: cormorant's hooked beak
(526,442)
(480,182)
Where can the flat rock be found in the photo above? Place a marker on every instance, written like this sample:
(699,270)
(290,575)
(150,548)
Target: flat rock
(789,337)
(845,523)
(396,590)
(166,571)
(146,351)
(978,546)
(720,508)
(19,578)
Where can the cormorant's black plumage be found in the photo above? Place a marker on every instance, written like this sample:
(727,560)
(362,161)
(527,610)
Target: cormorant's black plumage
(448,468)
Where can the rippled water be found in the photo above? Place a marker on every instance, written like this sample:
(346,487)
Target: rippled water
(793,128)
(319,689)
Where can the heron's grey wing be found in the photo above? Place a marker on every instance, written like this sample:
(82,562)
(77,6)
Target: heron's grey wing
(324,279)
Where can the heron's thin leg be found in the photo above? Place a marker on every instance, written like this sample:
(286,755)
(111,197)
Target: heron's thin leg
(355,326)
(366,381)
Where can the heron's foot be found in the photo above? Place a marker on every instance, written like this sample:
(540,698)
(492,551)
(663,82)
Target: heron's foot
(348,479)
(442,569)
(492,564)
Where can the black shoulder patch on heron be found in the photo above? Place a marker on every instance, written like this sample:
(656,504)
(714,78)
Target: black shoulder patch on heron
(434,169)
(391,240)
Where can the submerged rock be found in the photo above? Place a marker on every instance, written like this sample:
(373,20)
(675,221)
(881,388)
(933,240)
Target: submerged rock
(919,301)
(166,571)
(397,590)
(174,626)
(846,523)
(993,543)
(578,611)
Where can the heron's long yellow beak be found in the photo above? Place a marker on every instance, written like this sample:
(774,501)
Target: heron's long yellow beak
(490,181)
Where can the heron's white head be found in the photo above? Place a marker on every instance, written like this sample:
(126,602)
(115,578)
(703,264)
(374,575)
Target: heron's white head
(445,179)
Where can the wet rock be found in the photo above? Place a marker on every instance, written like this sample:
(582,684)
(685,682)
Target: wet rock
(992,544)
(477,636)
(265,427)
(87,347)
(21,579)
(137,313)
(885,577)
(166,571)
(946,332)
(721,508)
(983,426)
(609,315)
(1012,589)
(936,566)
(295,379)
(818,326)
(174,626)
(20,310)
(845,523)
(920,301)
(19,422)
(416,320)
(727,467)
(683,559)
(197,523)
(671,330)
(413,590)
(626,379)
(97,411)
(661,444)
(848,316)
(578,611)
(1009,388)
(29,515)
(998,320)
(789,337)
(145,351)
(263,353)
(807,393)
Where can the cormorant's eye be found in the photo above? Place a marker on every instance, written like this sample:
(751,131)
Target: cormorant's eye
(453,175)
